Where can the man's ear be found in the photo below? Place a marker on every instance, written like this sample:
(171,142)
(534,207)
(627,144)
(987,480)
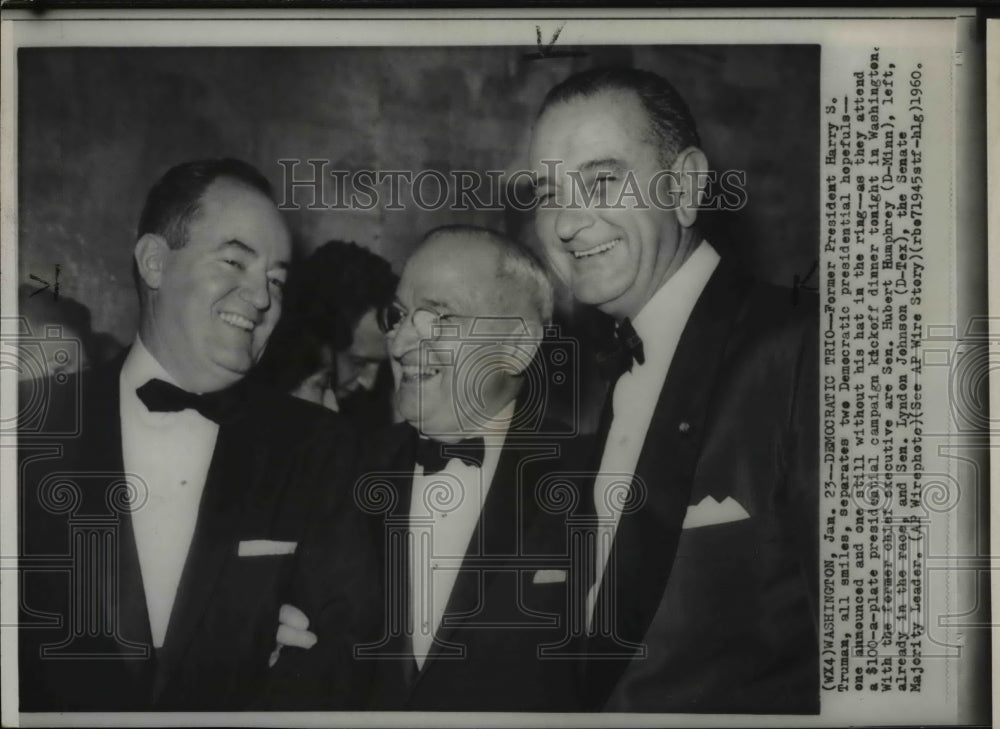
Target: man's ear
(518,357)
(150,253)
(692,164)
(522,347)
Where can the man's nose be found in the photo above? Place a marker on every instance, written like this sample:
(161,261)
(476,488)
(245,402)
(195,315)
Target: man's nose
(367,376)
(571,220)
(403,338)
(255,292)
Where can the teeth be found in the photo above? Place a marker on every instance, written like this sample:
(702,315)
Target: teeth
(240,322)
(601,248)
(416,373)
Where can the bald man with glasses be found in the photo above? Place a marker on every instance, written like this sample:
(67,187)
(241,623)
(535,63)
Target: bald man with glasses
(468,547)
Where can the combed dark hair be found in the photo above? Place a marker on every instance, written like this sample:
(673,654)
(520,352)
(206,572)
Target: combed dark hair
(671,123)
(325,296)
(176,197)
(331,289)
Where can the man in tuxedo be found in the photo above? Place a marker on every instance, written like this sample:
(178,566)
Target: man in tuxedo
(161,496)
(704,595)
(471,536)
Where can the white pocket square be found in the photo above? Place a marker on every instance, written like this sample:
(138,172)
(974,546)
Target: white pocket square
(710,512)
(546,577)
(265,548)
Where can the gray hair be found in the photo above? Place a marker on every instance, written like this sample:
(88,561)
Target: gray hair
(522,277)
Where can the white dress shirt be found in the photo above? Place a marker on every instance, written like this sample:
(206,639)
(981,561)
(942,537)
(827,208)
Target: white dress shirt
(168,456)
(660,324)
(444,511)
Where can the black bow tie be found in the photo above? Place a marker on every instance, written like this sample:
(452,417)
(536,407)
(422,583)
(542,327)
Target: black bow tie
(434,455)
(162,397)
(616,357)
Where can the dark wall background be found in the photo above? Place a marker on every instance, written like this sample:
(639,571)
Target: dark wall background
(98,126)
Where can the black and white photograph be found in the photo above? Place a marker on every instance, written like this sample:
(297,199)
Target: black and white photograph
(543,372)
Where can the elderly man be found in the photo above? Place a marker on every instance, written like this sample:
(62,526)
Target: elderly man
(472,544)
(706,598)
(163,501)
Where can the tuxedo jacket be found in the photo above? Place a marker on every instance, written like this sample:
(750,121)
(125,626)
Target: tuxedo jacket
(84,630)
(716,573)
(504,640)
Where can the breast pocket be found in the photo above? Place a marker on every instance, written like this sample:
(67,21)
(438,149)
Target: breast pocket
(718,542)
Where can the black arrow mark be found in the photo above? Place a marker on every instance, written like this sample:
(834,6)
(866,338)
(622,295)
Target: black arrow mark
(547,51)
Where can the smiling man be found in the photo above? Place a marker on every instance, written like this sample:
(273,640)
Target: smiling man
(705,600)
(203,483)
(466,609)
(452,309)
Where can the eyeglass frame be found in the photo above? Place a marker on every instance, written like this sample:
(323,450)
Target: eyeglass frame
(404,316)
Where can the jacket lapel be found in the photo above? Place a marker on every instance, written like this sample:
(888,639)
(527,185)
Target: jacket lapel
(104,448)
(495,535)
(395,453)
(230,483)
(102,453)
(506,516)
(646,541)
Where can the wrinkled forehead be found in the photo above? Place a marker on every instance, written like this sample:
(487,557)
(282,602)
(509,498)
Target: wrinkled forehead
(451,273)
(232,207)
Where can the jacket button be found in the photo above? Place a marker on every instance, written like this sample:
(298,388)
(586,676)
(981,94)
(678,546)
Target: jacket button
(684,427)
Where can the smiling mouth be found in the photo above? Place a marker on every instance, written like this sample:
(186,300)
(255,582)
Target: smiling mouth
(597,250)
(237,321)
(410,374)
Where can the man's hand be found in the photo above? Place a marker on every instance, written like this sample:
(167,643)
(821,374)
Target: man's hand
(292,631)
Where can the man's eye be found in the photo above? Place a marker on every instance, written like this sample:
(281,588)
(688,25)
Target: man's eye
(238,265)
(278,283)
(604,179)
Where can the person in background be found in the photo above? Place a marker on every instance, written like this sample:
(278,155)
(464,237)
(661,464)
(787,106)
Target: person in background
(328,348)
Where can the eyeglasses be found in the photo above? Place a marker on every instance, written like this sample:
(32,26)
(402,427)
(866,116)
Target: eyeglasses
(427,322)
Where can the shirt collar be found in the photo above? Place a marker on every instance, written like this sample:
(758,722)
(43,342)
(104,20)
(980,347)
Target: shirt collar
(677,295)
(493,433)
(494,429)
(141,366)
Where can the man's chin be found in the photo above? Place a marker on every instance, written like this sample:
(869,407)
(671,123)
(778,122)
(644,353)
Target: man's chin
(428,426)
(595,295)
(408,409)
(227,372)
(613,305)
